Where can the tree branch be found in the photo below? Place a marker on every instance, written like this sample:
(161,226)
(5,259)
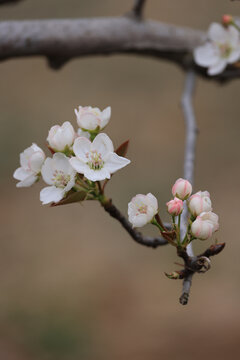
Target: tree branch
(11,2)
(137,236)
(189,160)
(138,8)
(62,40)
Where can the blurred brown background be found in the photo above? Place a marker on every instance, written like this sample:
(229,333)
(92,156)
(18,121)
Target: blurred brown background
(73,285)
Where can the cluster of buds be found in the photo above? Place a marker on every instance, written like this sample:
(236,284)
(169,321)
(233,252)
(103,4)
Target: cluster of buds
(202,222)
(80,159)
(222,46)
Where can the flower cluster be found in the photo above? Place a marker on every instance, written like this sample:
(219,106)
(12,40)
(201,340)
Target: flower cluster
(80,158)
(202,222)
(222,46)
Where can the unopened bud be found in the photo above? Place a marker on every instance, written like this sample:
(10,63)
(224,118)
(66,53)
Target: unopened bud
(227,19)
(182,189)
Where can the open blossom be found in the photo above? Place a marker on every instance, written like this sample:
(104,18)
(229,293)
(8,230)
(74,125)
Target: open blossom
(222,48)
(31,161)
(89,118)
(205,225)
(96,160)
(199,203)
(182,189)
(59,174)
(61,136)
(142,209)
(175,206)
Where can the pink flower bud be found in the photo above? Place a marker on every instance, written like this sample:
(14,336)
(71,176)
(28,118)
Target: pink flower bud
(175,207)
(199,202)
(202,229)
(182,189)
(227,19)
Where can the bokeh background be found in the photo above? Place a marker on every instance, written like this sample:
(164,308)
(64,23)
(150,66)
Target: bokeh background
(73,285)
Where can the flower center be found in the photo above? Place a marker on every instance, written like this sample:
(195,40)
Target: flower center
(60,180)
(225,50)
(142,209)
(95,160)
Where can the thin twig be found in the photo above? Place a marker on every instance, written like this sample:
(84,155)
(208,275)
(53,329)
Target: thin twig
(138,8)
(136,235)
(189,160)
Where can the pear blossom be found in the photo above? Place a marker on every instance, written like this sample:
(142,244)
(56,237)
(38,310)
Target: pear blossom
(199,202)
(59,137)
(175,206)
(96,160)
(59,174)
(142,209)
(31,160)
(182,189)
(89,118)
(202,229)
(205,225)
(222,48)
(212,217)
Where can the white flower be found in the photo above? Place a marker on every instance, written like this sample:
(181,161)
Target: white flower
(205,225)
(199,203)
(212,217)
(222,48)
(31,161)
(89,118)
(96,160)
(58,173)
(202,229)
(82,133)
(142,209)
(61,136)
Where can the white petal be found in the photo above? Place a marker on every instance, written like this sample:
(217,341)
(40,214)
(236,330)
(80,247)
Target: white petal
(139,220)
(51,194)
(47,171)
(234,56)
(105,116)
(81,147)
(21,173)
(217,33)
(206,55)
(81,133)
(115,162)
(97,175)
(61,162)
(28,181)
(102,144)
(88,121)
(152,201)
(36,161)
(218,67)
(78,165)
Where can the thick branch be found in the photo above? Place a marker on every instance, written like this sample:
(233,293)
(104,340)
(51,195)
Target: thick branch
(189,160)
(11,2)
(137,236)
(62,40)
